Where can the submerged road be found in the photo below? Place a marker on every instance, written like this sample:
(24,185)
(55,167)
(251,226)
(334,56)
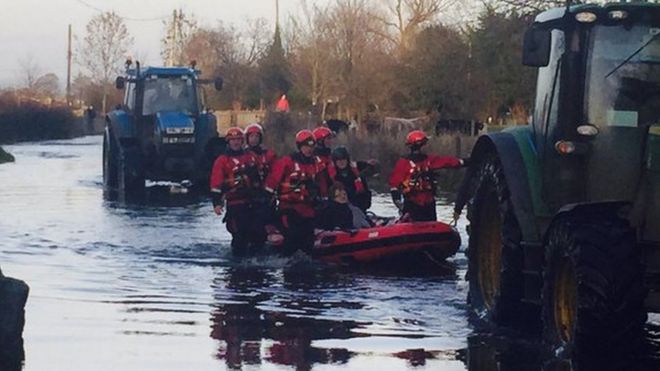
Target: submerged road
(153,286)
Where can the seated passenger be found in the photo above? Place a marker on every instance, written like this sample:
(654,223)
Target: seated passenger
(339,213)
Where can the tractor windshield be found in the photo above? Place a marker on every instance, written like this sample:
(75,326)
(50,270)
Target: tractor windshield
(168,94)
(623,86)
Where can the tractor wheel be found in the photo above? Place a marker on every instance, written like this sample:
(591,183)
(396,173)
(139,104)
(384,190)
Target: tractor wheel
(131,179)
(109,163)
(494,255)
(593,293)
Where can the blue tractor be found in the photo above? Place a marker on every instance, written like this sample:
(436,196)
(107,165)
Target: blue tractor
(161,132)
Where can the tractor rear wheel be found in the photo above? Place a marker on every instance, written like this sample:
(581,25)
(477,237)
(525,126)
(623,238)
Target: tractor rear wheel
(494,254)
(593,293)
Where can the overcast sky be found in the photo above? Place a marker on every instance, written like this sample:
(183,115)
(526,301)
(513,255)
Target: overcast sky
(38,28)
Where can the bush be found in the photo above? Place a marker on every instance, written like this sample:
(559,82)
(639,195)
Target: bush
(31,121)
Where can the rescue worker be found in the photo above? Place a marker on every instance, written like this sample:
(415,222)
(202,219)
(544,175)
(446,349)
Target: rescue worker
(299,181)
(347,172)
(232,181)
(413,178)
(323,150)
(263,201)
(266,158)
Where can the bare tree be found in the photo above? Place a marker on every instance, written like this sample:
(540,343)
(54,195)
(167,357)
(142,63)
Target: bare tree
(310,47)
(178,32)
(47,85)
(104,48)
(408,17)
(229,52)
(30,71)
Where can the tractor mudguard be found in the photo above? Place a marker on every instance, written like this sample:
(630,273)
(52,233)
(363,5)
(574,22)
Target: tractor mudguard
(120,124)
(520,172)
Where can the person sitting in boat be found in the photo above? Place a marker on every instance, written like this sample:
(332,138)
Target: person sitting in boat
(323,150)
(299,181)
(413,178)
(232,181)
(347,172)
(339,213)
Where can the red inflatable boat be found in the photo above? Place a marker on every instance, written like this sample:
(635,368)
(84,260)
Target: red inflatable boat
(434,240)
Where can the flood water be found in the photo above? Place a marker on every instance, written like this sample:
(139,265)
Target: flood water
(153,286)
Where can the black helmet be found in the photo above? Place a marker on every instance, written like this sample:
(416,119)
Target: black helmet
(340,153)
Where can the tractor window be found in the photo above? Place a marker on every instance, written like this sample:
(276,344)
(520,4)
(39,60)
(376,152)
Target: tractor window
(623,86)
(547,94)
(129,99)
(169,94)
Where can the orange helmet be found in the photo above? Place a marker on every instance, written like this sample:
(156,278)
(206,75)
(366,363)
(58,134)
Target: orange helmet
(321,133)
(255,129)
(234,133)
(416,138)
(305,137)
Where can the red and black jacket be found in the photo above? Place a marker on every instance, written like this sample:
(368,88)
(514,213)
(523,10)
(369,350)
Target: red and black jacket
(413,176)
(325,154)
(233,177)
(299,182)
(265,161)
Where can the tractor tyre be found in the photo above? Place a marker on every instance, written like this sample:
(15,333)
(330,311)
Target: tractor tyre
(110,159)
(495,257)
(131,179)
(593,293)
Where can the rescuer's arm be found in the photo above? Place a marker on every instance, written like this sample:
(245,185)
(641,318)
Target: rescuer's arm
(217,180)
(396,180)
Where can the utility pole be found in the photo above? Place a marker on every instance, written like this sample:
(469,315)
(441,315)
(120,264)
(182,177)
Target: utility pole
(69,56)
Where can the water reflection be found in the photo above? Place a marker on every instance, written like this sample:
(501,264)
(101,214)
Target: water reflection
(249,320)
(496,352)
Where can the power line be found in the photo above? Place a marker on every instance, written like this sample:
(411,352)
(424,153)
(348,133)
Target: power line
(132,19)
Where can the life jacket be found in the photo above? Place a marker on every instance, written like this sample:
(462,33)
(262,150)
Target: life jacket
(235,175)
(357,183)
(264,160)
(419,177)
(301,184)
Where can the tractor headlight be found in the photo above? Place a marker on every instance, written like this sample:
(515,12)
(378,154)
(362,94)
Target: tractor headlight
(178,140)
(179,130)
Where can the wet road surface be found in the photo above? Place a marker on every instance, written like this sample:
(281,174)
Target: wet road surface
(153,286)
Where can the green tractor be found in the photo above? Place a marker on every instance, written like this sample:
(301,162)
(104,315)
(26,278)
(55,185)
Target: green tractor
(565,212)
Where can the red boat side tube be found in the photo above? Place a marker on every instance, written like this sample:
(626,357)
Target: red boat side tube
(371,244)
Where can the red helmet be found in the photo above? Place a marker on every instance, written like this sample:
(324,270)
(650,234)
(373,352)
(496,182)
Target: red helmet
(321,133)
(254,128)
(305,137)
(416,138)
(234,133)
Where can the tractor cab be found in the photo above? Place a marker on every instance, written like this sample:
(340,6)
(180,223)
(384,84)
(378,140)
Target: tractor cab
(597,101)
(162,131)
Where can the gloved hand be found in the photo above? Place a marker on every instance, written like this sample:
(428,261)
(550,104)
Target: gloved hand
(396,198)
(455,217)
